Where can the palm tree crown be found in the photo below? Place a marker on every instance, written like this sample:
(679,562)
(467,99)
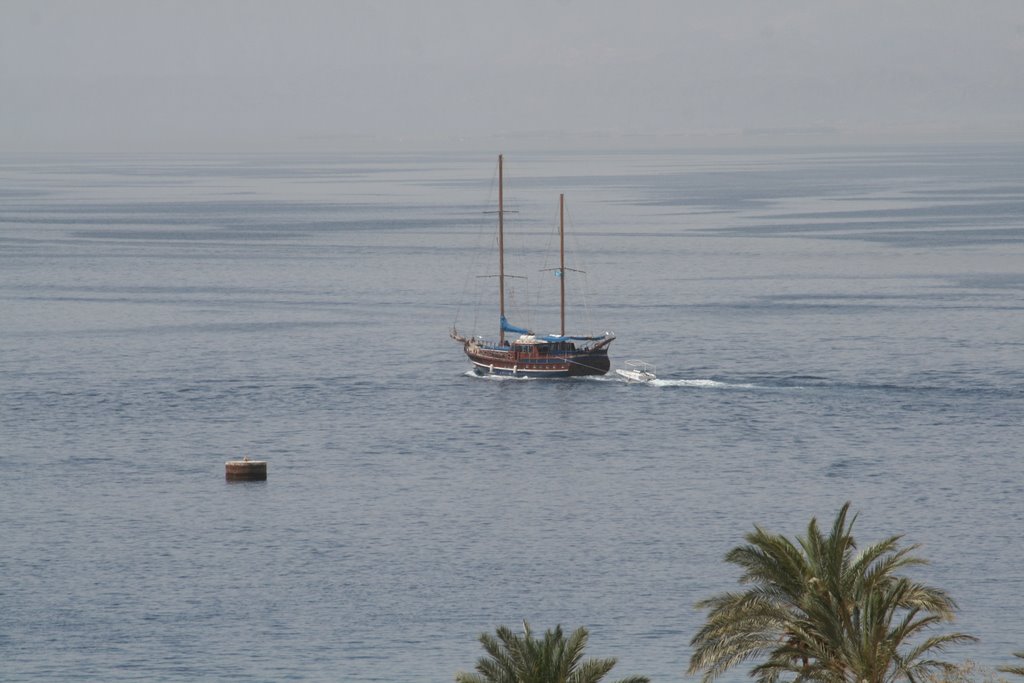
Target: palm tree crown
(552,659)
(818,610)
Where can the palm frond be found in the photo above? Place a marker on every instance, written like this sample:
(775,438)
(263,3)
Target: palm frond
(552,658)
(1018,670)
(821,610)
(591,671)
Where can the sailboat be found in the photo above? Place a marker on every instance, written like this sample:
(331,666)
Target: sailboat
(528,354)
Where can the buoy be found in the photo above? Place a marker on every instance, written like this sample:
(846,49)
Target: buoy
(246,469)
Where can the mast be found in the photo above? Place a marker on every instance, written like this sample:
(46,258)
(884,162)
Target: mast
(561,256)
(501,251)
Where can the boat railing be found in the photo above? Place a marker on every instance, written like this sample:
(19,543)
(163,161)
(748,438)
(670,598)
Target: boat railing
(640,366)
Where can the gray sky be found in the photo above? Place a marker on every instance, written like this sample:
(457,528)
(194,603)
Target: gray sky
(233,75)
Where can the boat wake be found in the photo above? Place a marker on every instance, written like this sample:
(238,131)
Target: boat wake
(699,384)
(618,379)
(499,378)
(686,383)
(782,382)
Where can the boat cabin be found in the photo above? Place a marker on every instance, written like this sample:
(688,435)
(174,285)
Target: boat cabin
(529,345)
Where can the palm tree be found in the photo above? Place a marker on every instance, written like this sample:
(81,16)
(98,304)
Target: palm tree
(818,610)
(1019,670)
(551,659)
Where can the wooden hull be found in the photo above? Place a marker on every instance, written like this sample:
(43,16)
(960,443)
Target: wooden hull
(509,363)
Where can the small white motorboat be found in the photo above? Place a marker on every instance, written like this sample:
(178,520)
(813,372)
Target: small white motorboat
(637,371)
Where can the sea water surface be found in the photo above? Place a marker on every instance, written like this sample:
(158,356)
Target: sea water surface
(828,325)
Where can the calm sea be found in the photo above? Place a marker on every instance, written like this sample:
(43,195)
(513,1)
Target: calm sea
(828,325)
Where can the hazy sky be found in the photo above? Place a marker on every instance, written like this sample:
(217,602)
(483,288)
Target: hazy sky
(154,75)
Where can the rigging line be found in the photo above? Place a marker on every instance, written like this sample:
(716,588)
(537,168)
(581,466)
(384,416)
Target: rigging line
(545,286)
(473,268)
(584,288)
(518,307)
(483,228)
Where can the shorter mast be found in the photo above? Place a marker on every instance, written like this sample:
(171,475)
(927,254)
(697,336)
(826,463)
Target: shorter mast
(501,253)
(561,257)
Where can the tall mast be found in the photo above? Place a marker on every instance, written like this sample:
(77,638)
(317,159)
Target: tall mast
(501,250)
(561,255)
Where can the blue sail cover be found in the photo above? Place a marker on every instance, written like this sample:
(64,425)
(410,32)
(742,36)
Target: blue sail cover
(556,338)
(509,327)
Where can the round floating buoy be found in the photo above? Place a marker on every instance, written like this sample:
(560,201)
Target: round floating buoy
(246,469)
